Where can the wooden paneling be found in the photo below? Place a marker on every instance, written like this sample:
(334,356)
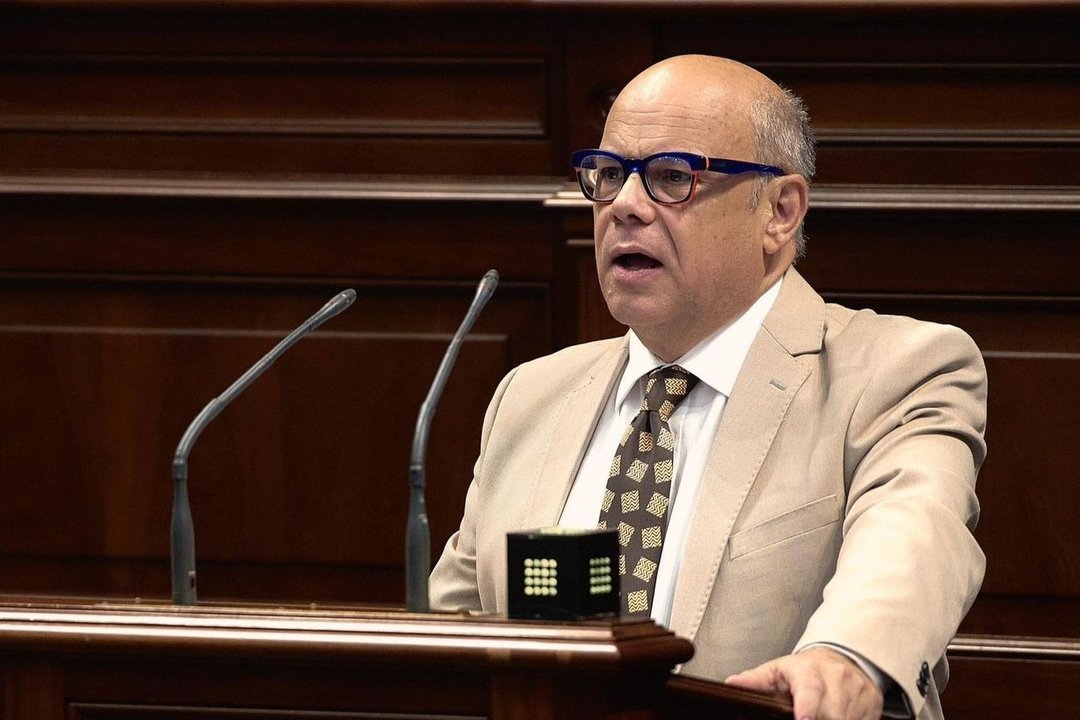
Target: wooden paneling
(220,87)
(995,678)
(905,31)
(298,95)
(182,182)
(941,124)
(398,115)
(264,237)
(306,468)
(942,95)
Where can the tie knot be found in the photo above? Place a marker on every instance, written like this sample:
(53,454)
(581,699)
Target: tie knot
(667,387)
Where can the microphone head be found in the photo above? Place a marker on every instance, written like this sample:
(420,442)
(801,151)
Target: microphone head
(487,285)
(345,296)
(338,303)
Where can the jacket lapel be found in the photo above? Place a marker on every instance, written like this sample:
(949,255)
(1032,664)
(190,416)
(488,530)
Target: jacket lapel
(768,381)
(576,418)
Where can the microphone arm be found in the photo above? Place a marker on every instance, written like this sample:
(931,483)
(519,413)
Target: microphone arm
(418,534)
(183,532)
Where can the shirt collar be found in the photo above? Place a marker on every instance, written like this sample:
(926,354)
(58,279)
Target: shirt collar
(715,361)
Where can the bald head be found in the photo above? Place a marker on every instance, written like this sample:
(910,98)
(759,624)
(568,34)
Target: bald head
(716,92)
(728,109)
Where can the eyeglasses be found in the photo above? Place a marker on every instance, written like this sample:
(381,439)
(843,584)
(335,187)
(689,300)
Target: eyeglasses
(669,177)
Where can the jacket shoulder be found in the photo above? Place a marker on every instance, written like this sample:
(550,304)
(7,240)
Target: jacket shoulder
(867,327)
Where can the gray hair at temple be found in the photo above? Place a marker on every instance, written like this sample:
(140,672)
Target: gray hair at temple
(782,134)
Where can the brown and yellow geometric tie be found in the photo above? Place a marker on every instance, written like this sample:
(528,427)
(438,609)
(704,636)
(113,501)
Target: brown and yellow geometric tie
(639,487)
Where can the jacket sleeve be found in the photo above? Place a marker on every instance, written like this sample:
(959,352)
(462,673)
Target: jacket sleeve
(909,567)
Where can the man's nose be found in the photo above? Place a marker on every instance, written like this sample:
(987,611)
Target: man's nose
(632,202)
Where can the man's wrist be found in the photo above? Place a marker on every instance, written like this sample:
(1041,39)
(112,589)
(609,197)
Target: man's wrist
(897,704)
(883,681)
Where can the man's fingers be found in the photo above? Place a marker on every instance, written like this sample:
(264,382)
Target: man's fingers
(823,684)
(809,699)
(763,678)
(786,674)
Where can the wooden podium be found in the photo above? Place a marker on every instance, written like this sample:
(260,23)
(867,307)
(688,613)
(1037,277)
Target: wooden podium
(104,660)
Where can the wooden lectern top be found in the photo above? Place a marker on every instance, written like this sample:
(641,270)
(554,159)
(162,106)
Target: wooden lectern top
(60,625)
(89,659)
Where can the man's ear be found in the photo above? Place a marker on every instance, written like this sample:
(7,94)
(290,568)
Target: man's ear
(789,198)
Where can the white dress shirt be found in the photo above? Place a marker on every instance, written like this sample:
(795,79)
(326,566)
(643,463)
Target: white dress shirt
(716,362)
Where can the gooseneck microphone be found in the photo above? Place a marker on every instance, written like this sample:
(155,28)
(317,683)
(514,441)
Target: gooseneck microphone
(418,534)
(183,531)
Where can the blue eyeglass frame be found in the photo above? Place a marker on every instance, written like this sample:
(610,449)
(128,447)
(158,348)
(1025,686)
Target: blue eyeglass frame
(698,164)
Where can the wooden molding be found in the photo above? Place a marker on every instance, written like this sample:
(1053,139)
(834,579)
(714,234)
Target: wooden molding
(1015,648)
(916,198)
(367,187)
(550,191)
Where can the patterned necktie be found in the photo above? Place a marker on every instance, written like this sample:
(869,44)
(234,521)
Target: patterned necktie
(639,487)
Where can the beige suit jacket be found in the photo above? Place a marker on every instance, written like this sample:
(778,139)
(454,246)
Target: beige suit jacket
(836,505)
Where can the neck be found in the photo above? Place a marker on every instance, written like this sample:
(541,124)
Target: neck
(669,344)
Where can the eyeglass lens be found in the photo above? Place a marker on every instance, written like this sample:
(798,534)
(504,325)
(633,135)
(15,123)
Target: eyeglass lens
(667,179)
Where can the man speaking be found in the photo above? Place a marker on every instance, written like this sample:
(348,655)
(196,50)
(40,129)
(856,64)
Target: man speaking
(793,482)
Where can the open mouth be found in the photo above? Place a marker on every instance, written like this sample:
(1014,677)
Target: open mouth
(636,261)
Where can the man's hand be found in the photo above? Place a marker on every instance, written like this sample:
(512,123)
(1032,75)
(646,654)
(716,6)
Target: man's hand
(824,685)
